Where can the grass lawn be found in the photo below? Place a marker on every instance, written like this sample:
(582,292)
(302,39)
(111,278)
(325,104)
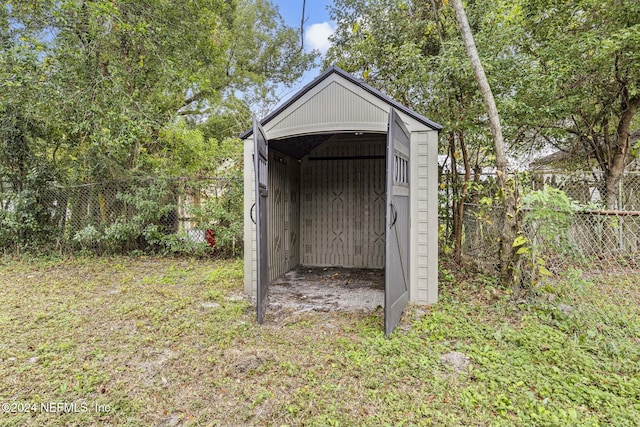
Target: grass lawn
(172,342)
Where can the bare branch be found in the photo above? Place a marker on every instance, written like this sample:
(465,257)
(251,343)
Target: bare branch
(302,21)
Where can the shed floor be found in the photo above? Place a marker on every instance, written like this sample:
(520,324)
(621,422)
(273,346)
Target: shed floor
(328,289)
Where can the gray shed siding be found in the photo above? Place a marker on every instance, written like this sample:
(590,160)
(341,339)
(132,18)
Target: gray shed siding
(324,113)
(424,218)
(250,257)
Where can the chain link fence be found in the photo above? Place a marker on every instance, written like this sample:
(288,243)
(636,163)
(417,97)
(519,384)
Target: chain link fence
(586,187)
(170,215)
(579,261)
(595,241)
(575,233)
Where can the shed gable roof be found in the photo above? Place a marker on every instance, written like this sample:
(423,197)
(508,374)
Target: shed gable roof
(336,101)
(333,103)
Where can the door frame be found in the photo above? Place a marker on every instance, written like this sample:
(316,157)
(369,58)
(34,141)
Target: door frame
(261,219)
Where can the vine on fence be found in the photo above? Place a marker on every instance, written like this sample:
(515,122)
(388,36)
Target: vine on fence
(556,234)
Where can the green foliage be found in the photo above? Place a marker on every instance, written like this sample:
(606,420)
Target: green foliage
(583,78)
(147,223)
(25,223)
(153,62)
(222,213)
(104,91)
(184,151)
(25,220)
(109,78)
(563,74)
(548,214)
(413,52)
(87,238)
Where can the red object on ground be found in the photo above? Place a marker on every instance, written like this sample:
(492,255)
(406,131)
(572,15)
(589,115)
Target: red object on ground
(211,238)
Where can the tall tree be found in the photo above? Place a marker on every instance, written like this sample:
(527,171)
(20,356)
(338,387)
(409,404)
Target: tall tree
(115,73)
(584,80)
(100,90)
(506,193)
(485,90)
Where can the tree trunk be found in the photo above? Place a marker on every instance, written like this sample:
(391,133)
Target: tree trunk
(455,200)
(612,183)
(620,158)
(506,195)
(460,191)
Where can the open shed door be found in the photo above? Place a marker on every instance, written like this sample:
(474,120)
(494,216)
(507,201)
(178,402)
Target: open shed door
(396,288)
(260,166)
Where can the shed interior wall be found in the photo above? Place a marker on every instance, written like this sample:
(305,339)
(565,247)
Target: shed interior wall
(343,202)
(284,213)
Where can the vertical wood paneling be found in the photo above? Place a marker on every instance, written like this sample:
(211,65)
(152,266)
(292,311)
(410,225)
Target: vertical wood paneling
(283,214)
(293,213)
(343,204)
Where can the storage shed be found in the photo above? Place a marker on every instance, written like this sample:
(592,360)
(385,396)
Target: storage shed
(346,177)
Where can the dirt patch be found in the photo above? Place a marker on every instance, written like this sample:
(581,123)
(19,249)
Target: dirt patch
(327,289)
(455,360)
(245,361)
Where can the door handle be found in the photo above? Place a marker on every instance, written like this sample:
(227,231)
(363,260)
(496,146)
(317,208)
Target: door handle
(251,213)
(394,214)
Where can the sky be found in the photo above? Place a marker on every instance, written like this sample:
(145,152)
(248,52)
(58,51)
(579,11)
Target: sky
(317,29)
(317,26)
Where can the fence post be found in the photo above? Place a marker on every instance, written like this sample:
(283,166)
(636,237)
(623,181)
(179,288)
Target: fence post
(620,218)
